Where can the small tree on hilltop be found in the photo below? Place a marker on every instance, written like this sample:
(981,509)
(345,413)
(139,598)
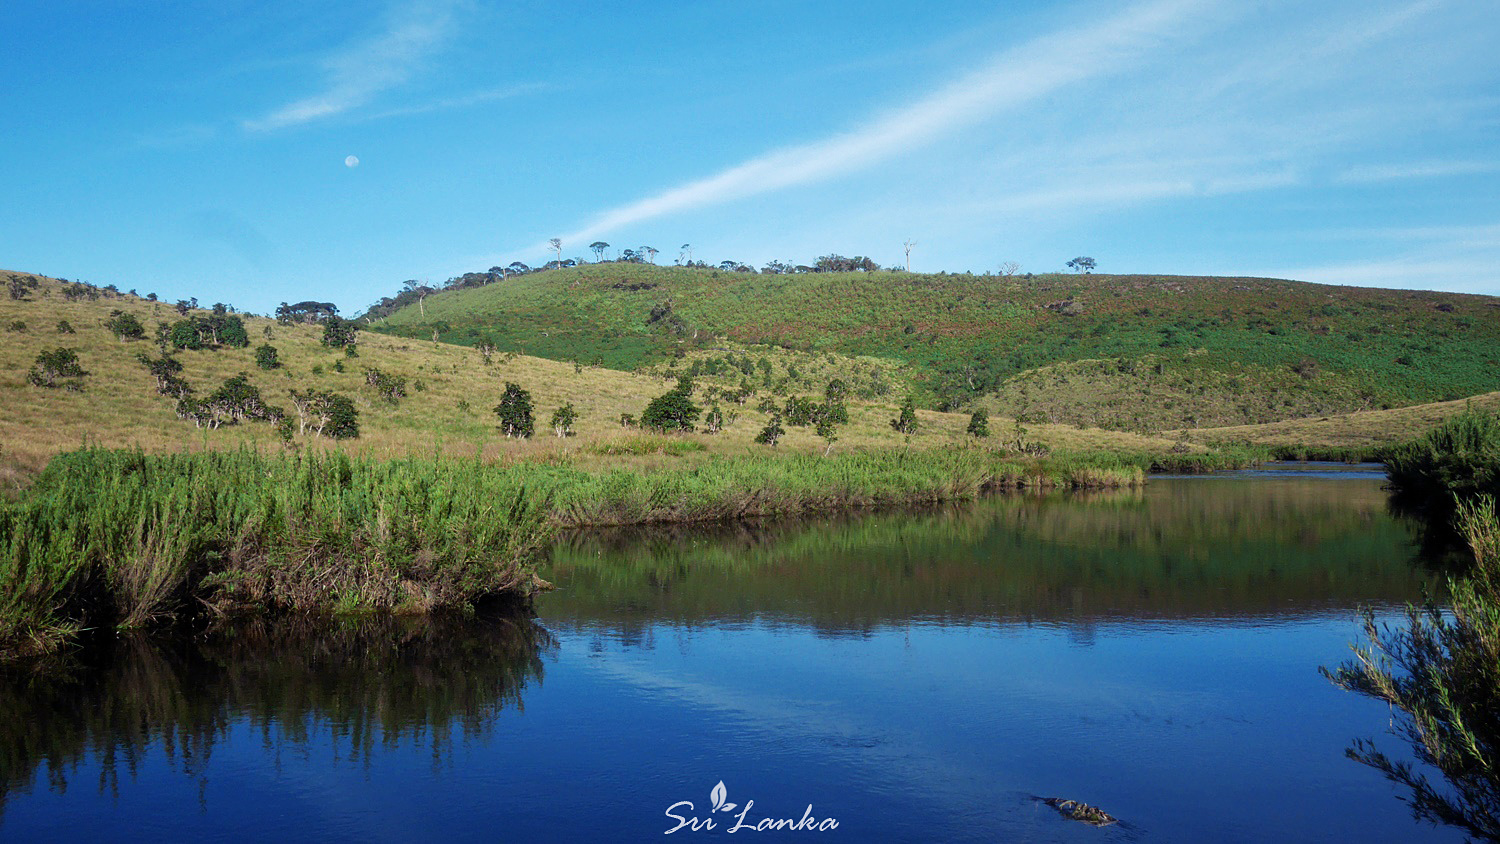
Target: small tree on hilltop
(339,332)
(563,419)
(514,411)
(979,424)
(1082,264)
(673,410)
(22,285)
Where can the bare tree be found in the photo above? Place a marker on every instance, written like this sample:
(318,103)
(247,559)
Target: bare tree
(556,243)
(908,245)
(687,250)
(1009,268)
(650,253)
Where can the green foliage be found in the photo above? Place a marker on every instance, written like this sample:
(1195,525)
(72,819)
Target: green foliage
(1458,460)
(231,332)
(21,286)
(390,387)
(16,326)
(235,401)
(713,421)
(64,327)
(57,366)
(772,433)
(979,424)
(339,332)
(906,421)
(563,419)
(167,372)
(183,334)
(1442,674)
(266,356)
(325,414)
(514,411)
(673,410)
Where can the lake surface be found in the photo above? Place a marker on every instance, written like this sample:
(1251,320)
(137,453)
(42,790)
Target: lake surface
(915,676)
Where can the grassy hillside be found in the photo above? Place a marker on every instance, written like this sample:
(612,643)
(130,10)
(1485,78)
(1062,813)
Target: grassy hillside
(1367,429)
(1134,352)
(451,391)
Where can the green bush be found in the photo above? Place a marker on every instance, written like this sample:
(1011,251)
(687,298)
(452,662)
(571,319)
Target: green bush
(1456,461)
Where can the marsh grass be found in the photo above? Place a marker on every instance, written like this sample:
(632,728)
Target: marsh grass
(129,540)
(125,539)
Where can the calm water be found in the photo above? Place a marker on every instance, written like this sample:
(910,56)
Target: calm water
(918,677)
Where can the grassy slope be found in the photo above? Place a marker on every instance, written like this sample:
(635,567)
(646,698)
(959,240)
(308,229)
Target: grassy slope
(1350,430)
(1197,351)
(119,407)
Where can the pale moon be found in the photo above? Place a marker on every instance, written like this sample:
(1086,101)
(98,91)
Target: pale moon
(351,161)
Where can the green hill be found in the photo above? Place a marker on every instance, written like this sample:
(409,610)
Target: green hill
(1132,352)
(450,391)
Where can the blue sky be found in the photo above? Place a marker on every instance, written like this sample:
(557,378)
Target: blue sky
(198,149)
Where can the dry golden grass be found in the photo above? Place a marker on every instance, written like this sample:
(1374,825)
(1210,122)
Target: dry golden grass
(450,413)
(1349,430)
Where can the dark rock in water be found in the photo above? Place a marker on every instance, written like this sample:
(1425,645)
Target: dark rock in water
(1077,811)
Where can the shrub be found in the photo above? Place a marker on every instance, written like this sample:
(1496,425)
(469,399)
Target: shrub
(266,356)
(63,327)
(906,421)
(326,414)
(1457,460)
(563,419)
(514,411)
(339,332)
(673,410)
(392,388)
(772,433)
(979,424)
(55,366)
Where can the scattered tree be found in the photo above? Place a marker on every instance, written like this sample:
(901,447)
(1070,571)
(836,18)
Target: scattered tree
(556,244)
(906,422)
(125,326)
(979,424)
(772,433)
(673,410)
(338,332)
(326,414)
(1082,264)
(908,245)
(57,365)
(22,285)
(713,421)
(514,411)
(64,327)
(266,356)
(563,419)
(598,247)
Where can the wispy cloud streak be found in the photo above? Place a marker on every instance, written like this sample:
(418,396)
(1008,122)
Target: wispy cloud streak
(1014,78)
(357,74)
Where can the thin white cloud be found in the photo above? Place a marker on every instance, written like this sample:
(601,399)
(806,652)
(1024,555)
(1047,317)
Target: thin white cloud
(1415,170)
(357,74)
(1014,78)
(474,99)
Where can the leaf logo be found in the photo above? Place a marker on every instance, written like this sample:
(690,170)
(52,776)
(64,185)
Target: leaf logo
(717,795)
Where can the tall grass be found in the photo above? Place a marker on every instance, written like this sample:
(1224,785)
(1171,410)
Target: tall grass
(122,538)
(126,539)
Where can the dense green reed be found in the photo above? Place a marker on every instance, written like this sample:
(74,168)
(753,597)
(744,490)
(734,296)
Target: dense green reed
(125,539)
(122,538)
